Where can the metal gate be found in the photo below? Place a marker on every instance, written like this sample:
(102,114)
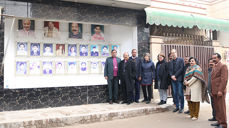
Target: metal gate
(202,53)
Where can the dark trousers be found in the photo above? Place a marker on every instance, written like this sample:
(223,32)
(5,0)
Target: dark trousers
(136,91)
(213,109)
(149,90)
(178,94)
(127,92)
(220,109)
(113,88)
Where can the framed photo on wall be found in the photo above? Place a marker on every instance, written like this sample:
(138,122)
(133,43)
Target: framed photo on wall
(34,68)
(22,48)
(60,67)
(83,50)
(26,28)
(35,49)
(117,48)
(21,67)
(75,30)
(94,50)
(105,50)
(97,32)
(47,49)
(72,67)
(51,29)
(60,49)
(83,67)
(94,67)
(72,50)
(47,67)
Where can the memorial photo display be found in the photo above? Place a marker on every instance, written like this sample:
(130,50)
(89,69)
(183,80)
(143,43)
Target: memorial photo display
(68,55)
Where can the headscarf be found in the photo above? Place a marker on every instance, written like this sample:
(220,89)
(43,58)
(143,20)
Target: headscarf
(196,71)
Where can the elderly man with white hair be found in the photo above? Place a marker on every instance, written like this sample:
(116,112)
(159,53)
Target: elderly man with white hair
(127,75)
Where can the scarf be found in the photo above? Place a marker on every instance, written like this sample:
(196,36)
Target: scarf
(196,71)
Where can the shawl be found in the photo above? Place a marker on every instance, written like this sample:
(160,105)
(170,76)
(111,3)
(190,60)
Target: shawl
(196,71)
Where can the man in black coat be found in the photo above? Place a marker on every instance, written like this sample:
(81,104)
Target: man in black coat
(137,62)
(176,68)
(127,75)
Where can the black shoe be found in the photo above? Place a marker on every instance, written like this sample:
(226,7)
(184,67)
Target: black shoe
(110,102)
(147,102)
(212,119)
(164,102)
(116,101)
(181,110)
(215,124)
(136,101)
(123,102)
(187,112)
(220,126)
(160,103)
(128,103)
(175,110)
(144,100)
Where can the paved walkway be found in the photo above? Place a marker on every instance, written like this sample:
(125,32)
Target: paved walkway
(62,116)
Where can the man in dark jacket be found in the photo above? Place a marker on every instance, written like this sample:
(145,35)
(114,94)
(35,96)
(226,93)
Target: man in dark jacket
(111,75)
(137,62)
(176,68)
(127,76)
(211,65)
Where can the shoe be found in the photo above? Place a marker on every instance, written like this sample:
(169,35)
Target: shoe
(164,102)
(147,102)
(110,102)
(175,110)
(188,116)
(128,103)
(123,102)
(194,118)
(181,110)
(220,126)
(212,119)
(160,103)
(144,100)
(116,101)
(136,101)
(187,112)
(215,124)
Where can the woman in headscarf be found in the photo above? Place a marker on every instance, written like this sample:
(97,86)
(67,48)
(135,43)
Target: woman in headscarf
(196,88)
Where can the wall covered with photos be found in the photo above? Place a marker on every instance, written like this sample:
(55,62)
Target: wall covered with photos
(60,51)
(31,98)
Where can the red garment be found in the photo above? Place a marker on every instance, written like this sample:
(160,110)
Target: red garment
(115,67)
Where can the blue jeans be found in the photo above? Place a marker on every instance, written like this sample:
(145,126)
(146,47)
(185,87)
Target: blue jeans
(178,94)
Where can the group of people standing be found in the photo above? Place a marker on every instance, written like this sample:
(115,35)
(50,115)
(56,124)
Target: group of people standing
(184,75)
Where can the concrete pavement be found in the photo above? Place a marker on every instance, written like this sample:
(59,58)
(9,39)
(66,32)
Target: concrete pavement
(166,119)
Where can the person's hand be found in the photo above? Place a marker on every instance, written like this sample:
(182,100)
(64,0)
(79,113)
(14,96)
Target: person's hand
(186,83)
(153,80)
(220,94)
(139,78)
(173,78)
(106,77)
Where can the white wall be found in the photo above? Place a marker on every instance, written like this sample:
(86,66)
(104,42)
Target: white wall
(126,36)
(223,38)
